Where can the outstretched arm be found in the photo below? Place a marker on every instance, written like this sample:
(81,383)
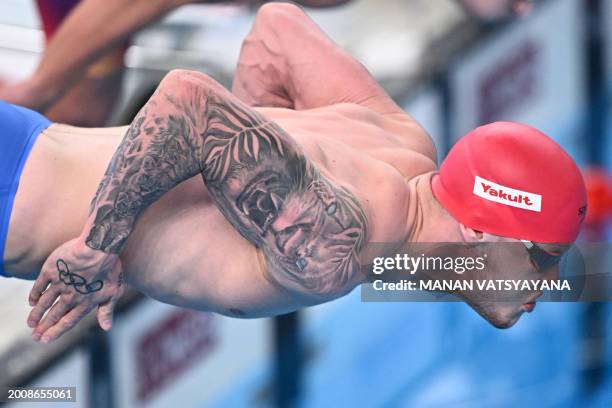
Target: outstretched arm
(310,229)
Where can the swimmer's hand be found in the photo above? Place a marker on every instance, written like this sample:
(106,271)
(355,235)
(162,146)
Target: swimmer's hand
(73,281)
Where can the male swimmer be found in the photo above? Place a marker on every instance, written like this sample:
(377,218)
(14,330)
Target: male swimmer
(265,200)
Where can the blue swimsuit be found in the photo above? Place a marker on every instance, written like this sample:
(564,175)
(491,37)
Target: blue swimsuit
(19,128)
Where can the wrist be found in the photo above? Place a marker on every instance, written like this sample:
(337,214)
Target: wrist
(85,252)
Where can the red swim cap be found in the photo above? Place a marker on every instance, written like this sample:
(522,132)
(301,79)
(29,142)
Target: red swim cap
(512,180)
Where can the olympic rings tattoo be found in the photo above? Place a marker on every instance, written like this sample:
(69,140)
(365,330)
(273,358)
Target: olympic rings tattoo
(80,283)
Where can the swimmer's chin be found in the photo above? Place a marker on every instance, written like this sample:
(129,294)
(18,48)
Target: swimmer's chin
(500,319)
(503,323)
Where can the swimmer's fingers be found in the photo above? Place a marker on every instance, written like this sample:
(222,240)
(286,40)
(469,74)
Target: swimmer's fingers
(40,286)
(105,313)
(44,303)
(64,305)
(59,320)
(72,307)
(106,310)
(64,324)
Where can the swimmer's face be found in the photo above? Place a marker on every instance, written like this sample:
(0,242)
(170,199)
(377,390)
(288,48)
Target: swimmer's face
(510,259)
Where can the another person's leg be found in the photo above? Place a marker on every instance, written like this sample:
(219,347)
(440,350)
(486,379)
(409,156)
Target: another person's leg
(90,100)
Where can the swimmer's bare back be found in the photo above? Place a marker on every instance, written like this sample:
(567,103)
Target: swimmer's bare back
(183,250)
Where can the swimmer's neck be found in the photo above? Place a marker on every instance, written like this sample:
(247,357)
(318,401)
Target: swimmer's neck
(427,220)
(430,223)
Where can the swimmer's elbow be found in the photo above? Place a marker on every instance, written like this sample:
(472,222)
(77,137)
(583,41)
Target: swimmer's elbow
(183,77)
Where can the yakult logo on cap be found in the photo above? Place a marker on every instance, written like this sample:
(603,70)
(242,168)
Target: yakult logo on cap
(506,195)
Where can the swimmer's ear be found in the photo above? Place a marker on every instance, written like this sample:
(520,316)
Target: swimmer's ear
(471,235)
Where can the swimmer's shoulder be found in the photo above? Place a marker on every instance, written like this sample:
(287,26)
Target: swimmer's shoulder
(409,134)
(411,154)
(411,141)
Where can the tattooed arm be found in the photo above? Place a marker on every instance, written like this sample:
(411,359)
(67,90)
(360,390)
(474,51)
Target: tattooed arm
(310,229)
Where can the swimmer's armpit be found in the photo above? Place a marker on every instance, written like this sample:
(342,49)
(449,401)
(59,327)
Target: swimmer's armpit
(310,229)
